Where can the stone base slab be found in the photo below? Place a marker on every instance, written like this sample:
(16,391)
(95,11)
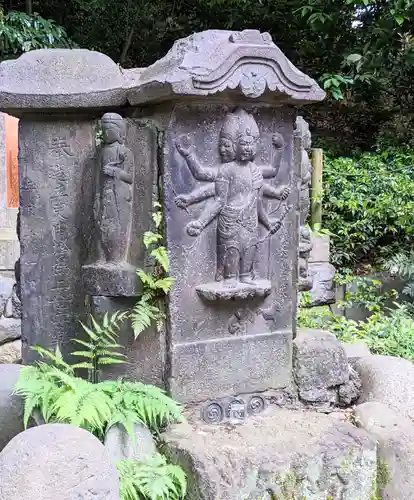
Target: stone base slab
(218,290)
(279,454)
(111,280)
(211,369)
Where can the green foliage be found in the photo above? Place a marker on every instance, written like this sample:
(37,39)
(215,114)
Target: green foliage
(402,264)
(361,208)
(149,308)
(151,479)
(60,396)
(21,32)
(386,331)
(101,347)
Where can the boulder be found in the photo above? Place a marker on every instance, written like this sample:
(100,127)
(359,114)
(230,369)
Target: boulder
(356,350)
(278,454)
(10,329)
(320,365)
(395,436)
(323,289)
(6,286)
(57,461)
(388,380)
(120,446)
(11,352)
(11,406)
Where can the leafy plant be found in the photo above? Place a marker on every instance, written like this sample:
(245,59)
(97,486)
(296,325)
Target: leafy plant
(151,479)
(21,32)
(360,207)
(150,306)
(402,264)
(101,347)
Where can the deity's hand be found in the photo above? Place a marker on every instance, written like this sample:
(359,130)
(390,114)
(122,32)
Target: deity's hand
(275,227)
(285,193)
(194,228)
(181,201)
(181,148)
(278,141)
(108,170)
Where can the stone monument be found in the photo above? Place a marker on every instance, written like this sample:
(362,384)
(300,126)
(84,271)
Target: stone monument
(210,129)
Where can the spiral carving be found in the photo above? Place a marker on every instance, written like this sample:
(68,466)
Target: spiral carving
(213,413)
(256,405)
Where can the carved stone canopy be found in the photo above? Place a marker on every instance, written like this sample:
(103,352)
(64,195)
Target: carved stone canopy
(247,63)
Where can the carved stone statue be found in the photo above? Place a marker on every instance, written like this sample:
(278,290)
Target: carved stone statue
(238,187)
(305,245)
(13,305)
(113,203)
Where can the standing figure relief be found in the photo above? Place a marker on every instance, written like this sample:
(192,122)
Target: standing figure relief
(237,186)
(113,202)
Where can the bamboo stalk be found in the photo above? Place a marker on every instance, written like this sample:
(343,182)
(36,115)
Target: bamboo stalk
(316,187)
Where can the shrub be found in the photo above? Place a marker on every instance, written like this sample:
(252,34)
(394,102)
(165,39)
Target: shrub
(369,206)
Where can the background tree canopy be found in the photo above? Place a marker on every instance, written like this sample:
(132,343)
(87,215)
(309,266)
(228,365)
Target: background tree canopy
(361,51)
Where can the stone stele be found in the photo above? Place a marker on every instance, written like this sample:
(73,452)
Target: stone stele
(213,123)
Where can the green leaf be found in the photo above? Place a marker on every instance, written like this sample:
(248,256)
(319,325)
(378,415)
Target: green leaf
(161,256)
(353,58)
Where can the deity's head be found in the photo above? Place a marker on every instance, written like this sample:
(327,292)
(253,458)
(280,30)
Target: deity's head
(238,137)
(113,128)
(302,129)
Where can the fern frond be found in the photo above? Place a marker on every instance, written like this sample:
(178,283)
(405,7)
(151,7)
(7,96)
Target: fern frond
(164,284)
(150,238)
(161,256)
(55,357)
(142,316)
(146,279)
(151,479)
(402,264)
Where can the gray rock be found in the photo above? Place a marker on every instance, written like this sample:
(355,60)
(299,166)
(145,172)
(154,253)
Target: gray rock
(323,289)
(11,352)
(319,365)
(283,454)
(61,461)
(350,391)
(6,286)
(389,380)
(120,446)
(11,406)
(320,248)
(356,350)
(395,436)
(10,329)
(60,78)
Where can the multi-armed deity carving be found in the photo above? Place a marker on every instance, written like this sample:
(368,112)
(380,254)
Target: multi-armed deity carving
(237,186)
(305,245)
(113,202)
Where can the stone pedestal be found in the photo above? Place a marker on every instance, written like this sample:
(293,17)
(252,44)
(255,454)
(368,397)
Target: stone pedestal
(322,272)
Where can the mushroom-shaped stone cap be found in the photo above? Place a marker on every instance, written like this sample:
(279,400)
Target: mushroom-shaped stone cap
(53,79)
(246,63)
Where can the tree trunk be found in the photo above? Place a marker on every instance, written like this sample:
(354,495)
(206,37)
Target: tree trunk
(29,7)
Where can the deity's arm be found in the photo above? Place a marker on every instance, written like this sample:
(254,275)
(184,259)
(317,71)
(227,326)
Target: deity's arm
(200,172)
(119,173)
(279,193)
(270,171)
(211,211)
(198,194)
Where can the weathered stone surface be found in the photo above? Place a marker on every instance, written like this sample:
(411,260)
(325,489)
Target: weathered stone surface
(56,197)
(10,329)
(395,436)
(6,285)
(356,350)
(320,248)
(49,79)
(61,461)
(120,446)
(11,406)
(350,391)
(389,380)
(319,365)
(11,352)
(282,454)
(213,61)
(323,289)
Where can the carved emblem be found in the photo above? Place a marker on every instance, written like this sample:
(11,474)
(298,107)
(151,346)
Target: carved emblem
(113,202)
(238,322)
(237,187)
(251,37)
(233,409)
(213,413)
(256,405)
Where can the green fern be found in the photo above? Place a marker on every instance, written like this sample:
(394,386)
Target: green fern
(402,264)
(101,347)
(151,479)
(149,308)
